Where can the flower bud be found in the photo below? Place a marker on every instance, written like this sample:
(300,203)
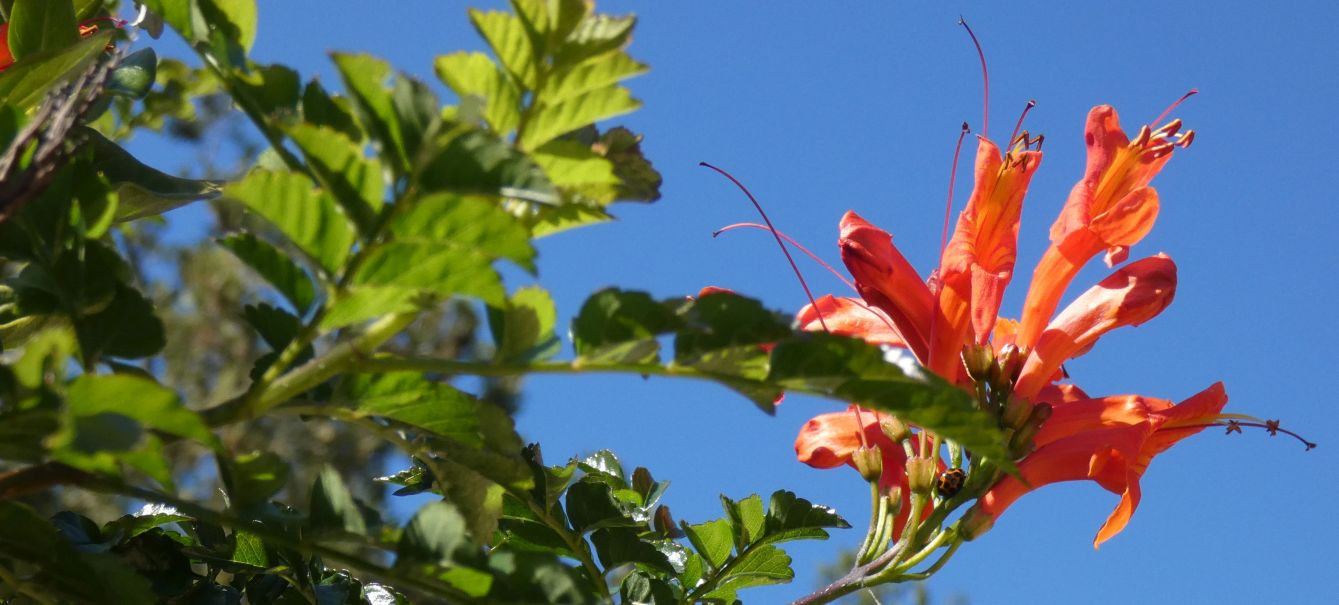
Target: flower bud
(1021,443)
(868,462)
(894,496)
(894,429)
(975,523)
(1008,365)
(921,475)
(979,359)
(1017,412)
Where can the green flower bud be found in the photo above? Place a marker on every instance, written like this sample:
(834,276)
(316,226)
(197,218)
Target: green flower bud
(1017,412)
(868,462)
(1008,365)
(921,475)
(894,429)
(979,359)
(975,523)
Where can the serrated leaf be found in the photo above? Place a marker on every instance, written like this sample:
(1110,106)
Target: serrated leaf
(431,268)
(576,167)
(621,327)
(747,517)
(604,462)
(549,220)
(639,587)
(620,546)
(26,82)
(127,327)
(307,216)
(275,267)
(479,499)
(236,19)
(592,75)
(354,181)
(523,329)
(320,109)
(792,518)
(552,120)
(591,505)
(332,507)
(410,398)
(638,179)
(593,36)
(506,35)
(853,370)
(472,222)
(477,162)
(474,74)
(365,79)
(41,25)
(356,304)
(760,566)
(713,540)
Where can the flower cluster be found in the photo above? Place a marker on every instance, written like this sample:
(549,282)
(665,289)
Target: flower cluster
(950,322)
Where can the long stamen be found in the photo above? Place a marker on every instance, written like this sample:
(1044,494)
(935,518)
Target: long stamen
(790,240)
(1019,126)
(952,178)
(779,242)
(1172,107)
(1272,426)
(985,78)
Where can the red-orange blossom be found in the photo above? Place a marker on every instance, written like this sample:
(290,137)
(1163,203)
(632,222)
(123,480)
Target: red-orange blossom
(1109,440)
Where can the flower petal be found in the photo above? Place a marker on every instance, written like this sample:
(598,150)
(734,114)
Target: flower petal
(850,317)
(1130,296)
(887,281)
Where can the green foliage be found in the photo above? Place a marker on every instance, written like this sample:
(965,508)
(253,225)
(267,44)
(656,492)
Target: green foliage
(375,209)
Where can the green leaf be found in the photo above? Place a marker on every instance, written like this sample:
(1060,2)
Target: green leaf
(480,163)
(273,89)
(408,397)
(552,120)
(354,181)
(141,190)
(609,69)
(853,370)
(276,327)
(25,83)
(575,167)
(276,268)
(322,110)
(333,510)
(758,567)
(474,74)
(465,221)
(747,519)
(239,19)
(619,546)
(365,80)
(22,434)
(478,498)
(549,220)
(793,518)
(639,180)
(724,320)
(523,329)
(445,271)
(252,478)
(307,216)
(62,573)
(125,328)
(134,76)
(436,535)
(538,578)
(137,398)
(249,550)
(41,25)
(356,304)
(591,505)
(594,36)
(621,327)
(147,518)
(640,587)
(605,462)
(713,540)
(506,35)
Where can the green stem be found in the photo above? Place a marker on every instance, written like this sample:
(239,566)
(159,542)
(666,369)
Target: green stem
(877,507)
(340,358)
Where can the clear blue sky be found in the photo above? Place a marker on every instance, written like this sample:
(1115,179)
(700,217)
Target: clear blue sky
(825,107)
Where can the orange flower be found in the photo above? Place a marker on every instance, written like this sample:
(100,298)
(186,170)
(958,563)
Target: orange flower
(1110,209)
(1110,440)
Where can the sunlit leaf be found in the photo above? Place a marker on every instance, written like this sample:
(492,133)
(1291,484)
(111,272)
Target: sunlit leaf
(475,74)
(552,120)
(23,84)
(332,507)
(506,35)
(41,25)
(275,267)
(307,216)
(354,181)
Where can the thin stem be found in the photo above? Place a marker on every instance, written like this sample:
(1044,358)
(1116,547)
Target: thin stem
(877,508)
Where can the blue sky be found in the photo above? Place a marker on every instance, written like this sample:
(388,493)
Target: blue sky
(825,107)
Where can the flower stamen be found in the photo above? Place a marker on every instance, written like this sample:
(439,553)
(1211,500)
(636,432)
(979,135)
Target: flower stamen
(779,242)
(985,78)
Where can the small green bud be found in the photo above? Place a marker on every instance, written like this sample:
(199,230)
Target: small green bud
(894,429)
(921,475)
(1017,412)
(894,496)
(979,359)
(868,462)
(1008,365)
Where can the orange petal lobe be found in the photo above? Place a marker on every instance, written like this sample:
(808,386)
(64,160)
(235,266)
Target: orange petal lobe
(887,281)
(850,317)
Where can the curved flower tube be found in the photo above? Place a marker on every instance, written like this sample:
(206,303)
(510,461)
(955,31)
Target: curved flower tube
(1111,441)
